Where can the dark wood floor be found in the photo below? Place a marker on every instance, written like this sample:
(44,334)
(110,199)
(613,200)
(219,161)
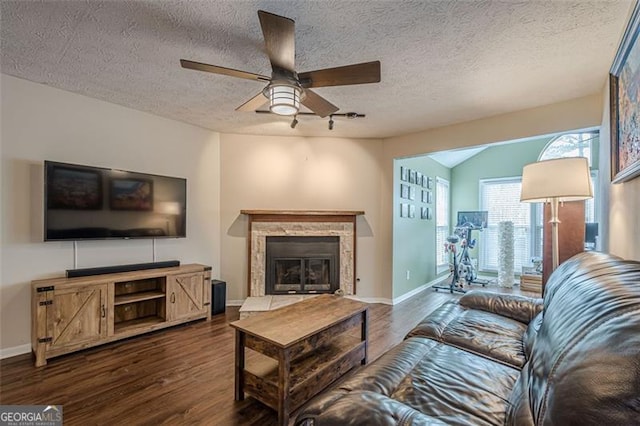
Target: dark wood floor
(183,375)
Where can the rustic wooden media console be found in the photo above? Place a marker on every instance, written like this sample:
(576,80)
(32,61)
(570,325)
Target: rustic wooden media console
(70,314)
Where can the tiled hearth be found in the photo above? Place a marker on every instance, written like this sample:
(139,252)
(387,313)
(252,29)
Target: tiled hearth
(255,305)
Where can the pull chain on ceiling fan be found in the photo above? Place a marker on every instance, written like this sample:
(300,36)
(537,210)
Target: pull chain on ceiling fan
(286,89)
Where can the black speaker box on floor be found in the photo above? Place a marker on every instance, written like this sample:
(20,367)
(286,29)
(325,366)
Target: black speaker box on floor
(218,296)
(85,272)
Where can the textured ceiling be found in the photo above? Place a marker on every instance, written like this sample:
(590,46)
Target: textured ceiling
(442,61)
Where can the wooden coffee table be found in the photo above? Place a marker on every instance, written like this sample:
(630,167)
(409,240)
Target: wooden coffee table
(298,350)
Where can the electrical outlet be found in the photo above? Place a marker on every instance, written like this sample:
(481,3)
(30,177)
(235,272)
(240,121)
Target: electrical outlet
(408,274)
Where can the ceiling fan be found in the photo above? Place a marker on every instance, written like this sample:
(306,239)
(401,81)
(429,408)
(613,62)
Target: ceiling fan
(286,89)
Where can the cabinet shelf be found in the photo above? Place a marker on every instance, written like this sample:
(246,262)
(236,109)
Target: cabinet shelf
(145,322)
(137,297)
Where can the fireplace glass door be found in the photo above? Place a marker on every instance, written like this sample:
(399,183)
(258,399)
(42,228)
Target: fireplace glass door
(302,275)
(302,265)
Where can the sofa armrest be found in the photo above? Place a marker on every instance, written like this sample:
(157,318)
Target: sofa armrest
(362,408)
(519,308)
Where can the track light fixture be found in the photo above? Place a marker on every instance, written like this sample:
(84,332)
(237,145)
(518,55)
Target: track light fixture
(294,122)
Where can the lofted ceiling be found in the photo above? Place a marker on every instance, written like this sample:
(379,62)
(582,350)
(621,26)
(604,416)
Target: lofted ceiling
(453,157)
(442,61)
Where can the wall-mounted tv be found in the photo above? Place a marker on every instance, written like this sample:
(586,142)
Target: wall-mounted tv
(86,203)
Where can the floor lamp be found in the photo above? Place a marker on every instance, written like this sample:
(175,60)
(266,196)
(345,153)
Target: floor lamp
(556,181)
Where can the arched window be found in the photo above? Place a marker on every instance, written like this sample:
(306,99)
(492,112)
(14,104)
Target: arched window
(569,145)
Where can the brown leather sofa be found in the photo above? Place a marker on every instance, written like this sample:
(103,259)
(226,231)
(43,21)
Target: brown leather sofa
(497,359)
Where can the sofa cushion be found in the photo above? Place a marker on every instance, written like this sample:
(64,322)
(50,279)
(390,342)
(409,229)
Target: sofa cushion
(482,332)
(363,408)
(444,383)
(514,306)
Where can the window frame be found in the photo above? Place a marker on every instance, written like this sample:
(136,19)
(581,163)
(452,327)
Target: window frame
(482,266)
(442,267)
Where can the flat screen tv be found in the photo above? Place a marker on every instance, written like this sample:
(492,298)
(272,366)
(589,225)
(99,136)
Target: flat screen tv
(88,203)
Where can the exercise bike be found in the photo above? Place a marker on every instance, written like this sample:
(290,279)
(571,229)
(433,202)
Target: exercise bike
(462,270)
(451,248)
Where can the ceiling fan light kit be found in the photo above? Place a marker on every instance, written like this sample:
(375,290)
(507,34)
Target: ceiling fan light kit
(286,89)
(284,99)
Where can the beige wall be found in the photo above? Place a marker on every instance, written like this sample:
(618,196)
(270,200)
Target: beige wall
(620,214)
(574,114)
(42,123)
(297,173)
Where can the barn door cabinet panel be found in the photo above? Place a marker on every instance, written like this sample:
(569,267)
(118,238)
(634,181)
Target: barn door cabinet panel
(186,296)
(70,314)
(74,317)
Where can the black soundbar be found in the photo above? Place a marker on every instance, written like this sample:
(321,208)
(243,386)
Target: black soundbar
(86,272)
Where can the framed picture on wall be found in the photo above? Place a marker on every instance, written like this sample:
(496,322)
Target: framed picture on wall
(425,181)
(423,213)
(624,93)
(404,191)
(412,192)
(412,176)
(404,174)
(419,177)
(429,183)
(412,211)
(404,210)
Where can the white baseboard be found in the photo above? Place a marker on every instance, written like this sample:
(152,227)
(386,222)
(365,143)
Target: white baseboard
(382,300)
(415,291)
(16,350)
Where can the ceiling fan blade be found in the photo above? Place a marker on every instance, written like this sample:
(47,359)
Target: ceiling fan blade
(253,104)
(367,72)
(318,104)
(279,38)
(199,66)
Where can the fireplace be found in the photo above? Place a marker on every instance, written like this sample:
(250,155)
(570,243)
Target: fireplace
(340,225)
(302,264)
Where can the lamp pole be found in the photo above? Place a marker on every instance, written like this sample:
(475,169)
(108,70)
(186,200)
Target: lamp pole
(554,221)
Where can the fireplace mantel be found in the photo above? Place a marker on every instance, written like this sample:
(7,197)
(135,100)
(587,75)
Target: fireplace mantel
(302,215)
(263,223)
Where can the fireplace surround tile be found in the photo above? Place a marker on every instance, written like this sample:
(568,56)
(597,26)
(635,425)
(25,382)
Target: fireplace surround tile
(261,230)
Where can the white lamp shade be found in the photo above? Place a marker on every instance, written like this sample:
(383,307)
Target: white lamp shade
(565,179)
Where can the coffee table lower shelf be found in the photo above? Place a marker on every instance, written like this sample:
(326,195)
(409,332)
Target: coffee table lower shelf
(308,375)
